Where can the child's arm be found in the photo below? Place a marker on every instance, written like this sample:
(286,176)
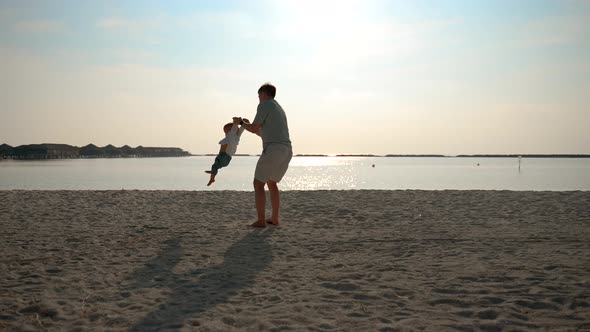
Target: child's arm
(236,129)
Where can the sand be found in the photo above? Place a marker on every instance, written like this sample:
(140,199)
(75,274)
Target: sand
(340,261)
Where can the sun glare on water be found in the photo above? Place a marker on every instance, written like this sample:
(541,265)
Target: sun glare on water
(322,173)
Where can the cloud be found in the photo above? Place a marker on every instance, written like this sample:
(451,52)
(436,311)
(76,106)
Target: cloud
(39,26)
(121,23)
(130,55)
(231,21)
(113,23)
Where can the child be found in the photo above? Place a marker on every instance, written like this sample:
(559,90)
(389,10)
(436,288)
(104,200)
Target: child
(229,145)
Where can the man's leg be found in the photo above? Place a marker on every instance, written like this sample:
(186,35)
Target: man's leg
(275,201)
(260,198)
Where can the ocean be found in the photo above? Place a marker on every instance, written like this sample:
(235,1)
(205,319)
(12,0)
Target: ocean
(305,173)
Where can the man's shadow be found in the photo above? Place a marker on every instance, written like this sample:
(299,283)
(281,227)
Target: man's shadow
(201,289)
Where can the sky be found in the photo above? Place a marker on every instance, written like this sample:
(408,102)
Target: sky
(354,77)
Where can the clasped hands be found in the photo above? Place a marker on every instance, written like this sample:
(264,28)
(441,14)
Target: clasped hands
(238,120)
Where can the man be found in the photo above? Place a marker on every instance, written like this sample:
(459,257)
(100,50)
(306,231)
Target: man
(270,124)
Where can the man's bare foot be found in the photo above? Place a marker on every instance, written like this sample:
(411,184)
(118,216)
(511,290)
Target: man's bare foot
(208,172)
(259,224)
(270,221)
(210,181)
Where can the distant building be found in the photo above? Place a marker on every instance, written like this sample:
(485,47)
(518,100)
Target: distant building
(46,151)
(55,151)
(60,151)
(160,152)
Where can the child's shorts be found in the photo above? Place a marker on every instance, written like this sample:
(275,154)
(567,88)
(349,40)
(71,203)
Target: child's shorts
(221,160)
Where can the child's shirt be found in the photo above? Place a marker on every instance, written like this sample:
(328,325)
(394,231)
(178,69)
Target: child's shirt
(232,139)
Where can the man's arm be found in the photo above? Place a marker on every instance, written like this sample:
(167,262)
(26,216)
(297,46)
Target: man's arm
(252,127)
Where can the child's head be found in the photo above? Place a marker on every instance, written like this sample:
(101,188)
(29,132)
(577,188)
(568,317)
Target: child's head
(227,127)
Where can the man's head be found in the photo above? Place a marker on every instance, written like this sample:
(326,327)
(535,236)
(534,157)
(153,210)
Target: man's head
(267,91)
(227,127)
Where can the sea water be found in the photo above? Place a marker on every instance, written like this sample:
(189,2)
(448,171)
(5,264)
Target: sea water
(305,173)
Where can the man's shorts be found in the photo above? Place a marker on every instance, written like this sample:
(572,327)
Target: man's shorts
(273,163)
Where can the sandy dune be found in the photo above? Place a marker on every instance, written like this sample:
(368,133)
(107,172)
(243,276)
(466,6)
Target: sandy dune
(340,261)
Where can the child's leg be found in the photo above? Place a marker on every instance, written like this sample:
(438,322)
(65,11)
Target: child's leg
(214,169)
(221,160)
(217,164)
(211,179)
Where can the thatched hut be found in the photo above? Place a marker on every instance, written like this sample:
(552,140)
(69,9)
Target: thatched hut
(111,151)
(55,151)
(90,151)
(127,151)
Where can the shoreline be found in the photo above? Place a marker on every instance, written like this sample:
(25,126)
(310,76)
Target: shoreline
(350,260)
(403,156)
(524,191)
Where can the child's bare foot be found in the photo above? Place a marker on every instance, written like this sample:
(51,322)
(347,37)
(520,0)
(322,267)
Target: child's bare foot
(259,224)
(211,178)
(270,221)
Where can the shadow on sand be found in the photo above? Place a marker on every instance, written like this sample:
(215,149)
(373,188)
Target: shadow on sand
(202,289)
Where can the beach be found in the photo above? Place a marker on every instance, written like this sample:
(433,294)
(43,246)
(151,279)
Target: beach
(350,260)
